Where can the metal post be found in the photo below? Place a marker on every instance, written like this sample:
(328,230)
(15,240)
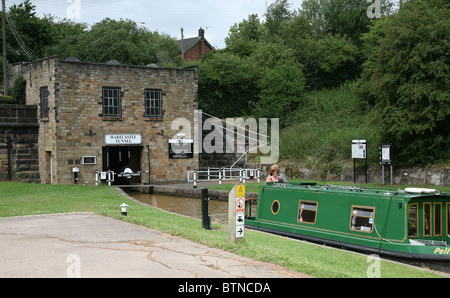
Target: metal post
(8,145)
(382,173)
(195,179)
(367,172)
(96,177)
(5,46)
(206,219)
(220,176)
(392,176)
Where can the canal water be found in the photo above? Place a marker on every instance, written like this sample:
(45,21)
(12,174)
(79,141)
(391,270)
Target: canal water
(218,209)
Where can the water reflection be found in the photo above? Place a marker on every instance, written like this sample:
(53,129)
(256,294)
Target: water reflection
(218,210)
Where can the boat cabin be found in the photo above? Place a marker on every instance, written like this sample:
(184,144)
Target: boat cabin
(413,223)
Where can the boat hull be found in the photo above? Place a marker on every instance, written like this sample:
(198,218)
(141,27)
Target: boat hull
(418,253)
(372,221)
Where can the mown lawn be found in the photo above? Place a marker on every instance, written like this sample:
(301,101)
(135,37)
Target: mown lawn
(17,199)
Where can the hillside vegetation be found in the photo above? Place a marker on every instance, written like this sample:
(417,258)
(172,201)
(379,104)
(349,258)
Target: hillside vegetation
(321,130)
(331,74)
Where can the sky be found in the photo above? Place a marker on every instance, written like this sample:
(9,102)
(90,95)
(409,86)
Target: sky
(164,16)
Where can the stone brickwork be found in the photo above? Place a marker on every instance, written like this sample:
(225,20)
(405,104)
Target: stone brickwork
(401,176)
(19,124)
(75,126)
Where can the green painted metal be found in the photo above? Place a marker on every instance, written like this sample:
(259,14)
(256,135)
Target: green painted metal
(372,220)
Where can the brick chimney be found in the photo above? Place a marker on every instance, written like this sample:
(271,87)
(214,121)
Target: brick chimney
(201,34)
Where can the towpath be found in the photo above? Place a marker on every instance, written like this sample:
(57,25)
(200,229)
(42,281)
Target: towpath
(90,246)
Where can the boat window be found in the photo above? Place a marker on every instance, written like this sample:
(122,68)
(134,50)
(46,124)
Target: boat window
(362,219)
(307,212)
(275,207)
(427,219)
(412,220)
(437,219)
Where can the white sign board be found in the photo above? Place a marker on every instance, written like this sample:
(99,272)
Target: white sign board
(240,213)
(236,214)
(123,139)
(385,154)
(359,149)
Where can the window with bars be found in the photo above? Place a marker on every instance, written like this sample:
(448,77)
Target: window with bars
(111,102)
(43,94)
(153,103)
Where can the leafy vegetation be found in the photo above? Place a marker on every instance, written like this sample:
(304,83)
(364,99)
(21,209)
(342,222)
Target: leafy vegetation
(106,40)
(324,126)
(405,80)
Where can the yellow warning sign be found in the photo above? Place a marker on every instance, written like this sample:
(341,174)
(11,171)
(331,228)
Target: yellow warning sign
(240,192)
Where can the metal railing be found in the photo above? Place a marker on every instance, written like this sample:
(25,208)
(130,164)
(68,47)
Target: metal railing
(109,176)
(223,174)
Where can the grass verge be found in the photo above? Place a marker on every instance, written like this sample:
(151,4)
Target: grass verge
(17,199)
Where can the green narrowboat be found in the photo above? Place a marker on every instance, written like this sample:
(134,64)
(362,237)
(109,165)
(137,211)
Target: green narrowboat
(412,223)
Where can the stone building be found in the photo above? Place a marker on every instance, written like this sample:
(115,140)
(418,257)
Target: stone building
(110,117)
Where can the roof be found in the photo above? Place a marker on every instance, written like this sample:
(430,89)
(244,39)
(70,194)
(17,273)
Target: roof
(188,43)
(408,193)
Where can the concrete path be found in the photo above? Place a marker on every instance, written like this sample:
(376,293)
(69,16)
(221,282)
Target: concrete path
(90,246)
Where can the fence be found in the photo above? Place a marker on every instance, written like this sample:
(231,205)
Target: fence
(223,174)
(109,176)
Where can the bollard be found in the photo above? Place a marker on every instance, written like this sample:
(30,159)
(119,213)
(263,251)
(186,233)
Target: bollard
(195,179)
(124,209)
(206,220)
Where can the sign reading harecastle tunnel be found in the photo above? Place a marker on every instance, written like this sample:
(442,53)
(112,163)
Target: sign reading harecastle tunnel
(125,139)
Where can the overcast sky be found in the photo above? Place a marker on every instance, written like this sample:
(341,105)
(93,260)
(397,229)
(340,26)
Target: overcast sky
(164,16)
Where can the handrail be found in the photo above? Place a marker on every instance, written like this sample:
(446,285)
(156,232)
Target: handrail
(223,174)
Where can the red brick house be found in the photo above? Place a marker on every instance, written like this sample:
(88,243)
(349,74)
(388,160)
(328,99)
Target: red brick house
(194,48)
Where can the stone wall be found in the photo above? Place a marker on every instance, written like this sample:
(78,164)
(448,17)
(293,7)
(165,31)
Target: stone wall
(76,127)
(401,176)
(19,123)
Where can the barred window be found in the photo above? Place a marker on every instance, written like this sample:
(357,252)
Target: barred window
(43,94)
(111,102)
(153,103)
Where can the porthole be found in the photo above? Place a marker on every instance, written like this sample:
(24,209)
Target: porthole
(275,207)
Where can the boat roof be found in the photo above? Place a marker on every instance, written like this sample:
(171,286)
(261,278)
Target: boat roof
(405,193)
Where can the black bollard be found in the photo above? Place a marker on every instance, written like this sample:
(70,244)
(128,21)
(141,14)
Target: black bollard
(206,220)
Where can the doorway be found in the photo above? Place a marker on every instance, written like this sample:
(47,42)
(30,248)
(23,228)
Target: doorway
(119,158)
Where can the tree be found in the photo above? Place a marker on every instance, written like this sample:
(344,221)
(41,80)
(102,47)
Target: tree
(277,14)
(282,89)
(65,34)
(243,37)
(405,80)
(27,34)
(125,42)
(228,85)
